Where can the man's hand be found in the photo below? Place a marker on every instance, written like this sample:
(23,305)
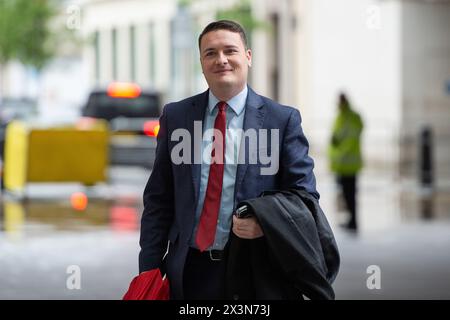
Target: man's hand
(247,228)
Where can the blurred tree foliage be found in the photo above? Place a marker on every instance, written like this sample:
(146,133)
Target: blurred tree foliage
(25,32)
(241,12)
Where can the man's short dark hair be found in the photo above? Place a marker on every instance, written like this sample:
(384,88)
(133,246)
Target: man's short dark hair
(224,25)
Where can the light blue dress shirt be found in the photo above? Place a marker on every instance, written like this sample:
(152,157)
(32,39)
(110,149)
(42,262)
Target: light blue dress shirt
(235,121)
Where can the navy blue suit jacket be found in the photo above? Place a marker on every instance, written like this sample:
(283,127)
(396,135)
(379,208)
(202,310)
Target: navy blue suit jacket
(171,193)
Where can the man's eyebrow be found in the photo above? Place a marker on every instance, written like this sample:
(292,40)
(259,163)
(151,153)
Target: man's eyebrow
(208,49)
(231,47)
(226,47)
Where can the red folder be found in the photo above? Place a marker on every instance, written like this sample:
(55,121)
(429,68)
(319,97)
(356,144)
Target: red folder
(149,285)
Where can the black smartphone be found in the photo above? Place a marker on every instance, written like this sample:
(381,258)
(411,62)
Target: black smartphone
(243,212)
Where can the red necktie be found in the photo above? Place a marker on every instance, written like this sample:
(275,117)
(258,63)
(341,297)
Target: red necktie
(208,220)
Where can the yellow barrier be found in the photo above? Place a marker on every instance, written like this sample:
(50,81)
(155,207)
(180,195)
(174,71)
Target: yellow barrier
(67,154)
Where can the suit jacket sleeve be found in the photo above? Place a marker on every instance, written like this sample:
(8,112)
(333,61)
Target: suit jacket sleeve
(158,204)
(295,164)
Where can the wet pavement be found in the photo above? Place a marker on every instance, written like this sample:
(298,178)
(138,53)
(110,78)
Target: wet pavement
(44,239)
(413,261)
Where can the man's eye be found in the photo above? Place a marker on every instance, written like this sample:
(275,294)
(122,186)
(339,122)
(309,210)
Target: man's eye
(209,54)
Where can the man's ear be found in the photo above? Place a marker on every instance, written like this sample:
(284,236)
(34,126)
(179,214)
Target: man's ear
(201,67)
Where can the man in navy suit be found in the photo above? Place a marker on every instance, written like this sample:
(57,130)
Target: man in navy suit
(190,186)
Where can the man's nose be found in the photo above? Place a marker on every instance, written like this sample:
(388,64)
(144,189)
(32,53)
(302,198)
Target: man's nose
(221,58)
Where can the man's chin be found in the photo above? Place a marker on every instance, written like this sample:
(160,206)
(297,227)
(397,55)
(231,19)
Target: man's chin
(229,84)
(225,83)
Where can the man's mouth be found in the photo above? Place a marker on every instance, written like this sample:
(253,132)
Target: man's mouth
(223,71)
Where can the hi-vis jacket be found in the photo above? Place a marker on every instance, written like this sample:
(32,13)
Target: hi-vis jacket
(345,151)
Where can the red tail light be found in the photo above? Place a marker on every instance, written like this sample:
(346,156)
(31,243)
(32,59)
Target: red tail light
(123,218)
(151,128)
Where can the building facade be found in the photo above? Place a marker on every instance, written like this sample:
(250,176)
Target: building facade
(391,57)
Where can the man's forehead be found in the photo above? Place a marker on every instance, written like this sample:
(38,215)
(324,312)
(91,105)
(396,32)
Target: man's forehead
(221,38)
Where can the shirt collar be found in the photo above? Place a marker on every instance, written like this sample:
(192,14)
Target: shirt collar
(237,103)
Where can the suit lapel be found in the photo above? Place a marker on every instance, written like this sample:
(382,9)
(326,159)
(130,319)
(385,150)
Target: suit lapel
(254,117)
(199,106)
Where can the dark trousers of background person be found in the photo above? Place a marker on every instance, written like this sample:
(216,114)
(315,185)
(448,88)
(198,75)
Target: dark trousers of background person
(204,279)
(348,187)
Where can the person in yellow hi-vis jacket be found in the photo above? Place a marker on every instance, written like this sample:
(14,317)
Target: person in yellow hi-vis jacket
(345,154)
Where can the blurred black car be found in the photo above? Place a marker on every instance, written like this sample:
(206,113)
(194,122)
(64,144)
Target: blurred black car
(133,117)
